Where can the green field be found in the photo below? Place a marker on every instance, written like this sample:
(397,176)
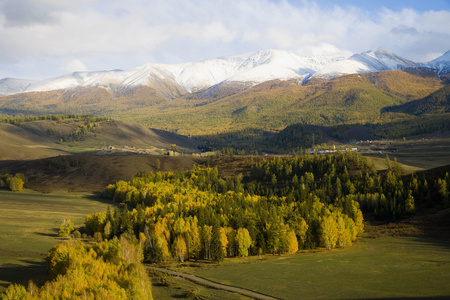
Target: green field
(177,288)
(29,226)
(421,153)
(388,267)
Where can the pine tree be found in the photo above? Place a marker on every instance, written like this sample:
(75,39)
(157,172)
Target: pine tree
(217,253)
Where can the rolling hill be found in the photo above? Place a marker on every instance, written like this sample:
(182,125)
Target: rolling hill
(436,103)
(47,138)
(255,94)
(90,173)
(268,107)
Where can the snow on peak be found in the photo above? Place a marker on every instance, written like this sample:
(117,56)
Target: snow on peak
(440,64)
(370,61)
(443,58)
(200,75)
(10,86)
(277,64)
(252,68)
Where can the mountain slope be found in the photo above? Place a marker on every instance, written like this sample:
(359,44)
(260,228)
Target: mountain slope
(271,105)
(46,138)
(190,77)
(171,81)
(436,103)
(274,105)
(370,61)
(441,64)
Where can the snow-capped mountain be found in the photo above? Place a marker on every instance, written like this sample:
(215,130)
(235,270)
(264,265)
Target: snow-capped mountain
(9,86)
(248,69)
(191,77)
(441,64)
(276,64)
(370,61)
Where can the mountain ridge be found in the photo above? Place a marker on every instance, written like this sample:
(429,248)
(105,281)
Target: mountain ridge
(247,70)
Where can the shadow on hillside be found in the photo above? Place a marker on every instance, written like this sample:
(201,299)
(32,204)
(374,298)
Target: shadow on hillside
(22,274)
(431,244)
(98,198)
(435,227)
(429,226)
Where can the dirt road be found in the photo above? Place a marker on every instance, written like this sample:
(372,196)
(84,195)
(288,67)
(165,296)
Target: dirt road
(212,284)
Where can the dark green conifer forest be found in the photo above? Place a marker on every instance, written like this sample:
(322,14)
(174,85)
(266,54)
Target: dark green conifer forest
(283,205)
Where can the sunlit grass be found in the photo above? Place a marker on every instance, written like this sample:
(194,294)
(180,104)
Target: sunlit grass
(372,268)
(29,226)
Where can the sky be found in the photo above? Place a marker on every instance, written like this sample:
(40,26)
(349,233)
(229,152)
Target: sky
(47,38)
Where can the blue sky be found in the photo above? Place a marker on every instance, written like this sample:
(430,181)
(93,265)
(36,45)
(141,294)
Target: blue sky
(395,5)
(47,38)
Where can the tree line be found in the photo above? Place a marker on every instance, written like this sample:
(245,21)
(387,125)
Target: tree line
(200,215)
(109,269)
(12,182)
(283,205)
(348,177)
(17,120)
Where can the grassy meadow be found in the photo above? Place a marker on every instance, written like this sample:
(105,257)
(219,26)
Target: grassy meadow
(29,227)
(176,288)
(431,151)
(387,267)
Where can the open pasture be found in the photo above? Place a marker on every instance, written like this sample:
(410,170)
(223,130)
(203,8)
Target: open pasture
(417,153)
(388,267)
(29,225)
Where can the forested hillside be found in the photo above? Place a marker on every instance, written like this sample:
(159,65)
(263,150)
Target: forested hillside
(274,105)
(269,106)
(386,102)
(282,206)
(436,103)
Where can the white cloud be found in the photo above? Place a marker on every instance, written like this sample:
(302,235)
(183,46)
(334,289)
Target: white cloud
(108,34)
(324,49)
(217,30)
(74,65)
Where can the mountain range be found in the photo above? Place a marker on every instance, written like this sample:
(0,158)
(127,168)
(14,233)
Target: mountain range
(241,72)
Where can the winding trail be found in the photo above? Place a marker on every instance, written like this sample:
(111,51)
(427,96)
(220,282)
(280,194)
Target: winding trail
(213,284)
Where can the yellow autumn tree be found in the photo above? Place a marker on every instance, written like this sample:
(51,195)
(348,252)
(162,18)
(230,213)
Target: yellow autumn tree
(66,227)
(329,231)
(359,225)
(344,230)
(193,239)
(292,242)
(81,272)
(301,229)
(224,239)
(162,236)
(179,227)
(180,249)
(16,184)
(243,241)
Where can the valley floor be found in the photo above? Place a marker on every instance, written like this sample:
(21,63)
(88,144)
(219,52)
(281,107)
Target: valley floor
(387,267)
(406,259)
(29,227)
